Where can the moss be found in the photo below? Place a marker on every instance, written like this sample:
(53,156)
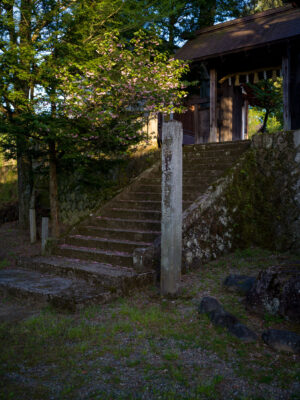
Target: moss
(258,199)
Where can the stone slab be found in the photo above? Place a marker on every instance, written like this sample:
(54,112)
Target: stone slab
(60,292)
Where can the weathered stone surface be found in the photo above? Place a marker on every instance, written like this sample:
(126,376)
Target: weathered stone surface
(281,340)
(171,207)
(257,199)
(239,283)
(277,291)
(220,317)
(209,304)
(61,293)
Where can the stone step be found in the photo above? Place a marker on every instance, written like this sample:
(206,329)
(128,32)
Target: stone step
(187,196)
(110,277)
(188,180)
(128,213)
(207,147)
(119,223)
(210,174)
(137,205)
(203,167)
(105,243)
(157,188)
(123,259)
(61,292)
(120,234)
(151,205)
(212,157)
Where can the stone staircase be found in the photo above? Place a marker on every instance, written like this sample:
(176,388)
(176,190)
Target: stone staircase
(94,262)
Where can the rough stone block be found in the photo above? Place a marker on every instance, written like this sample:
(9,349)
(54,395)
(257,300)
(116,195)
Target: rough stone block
(239,283)
(277,291)
(282,340)
(220,317)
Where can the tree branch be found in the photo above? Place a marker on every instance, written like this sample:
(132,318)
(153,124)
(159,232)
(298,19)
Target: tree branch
(48,17)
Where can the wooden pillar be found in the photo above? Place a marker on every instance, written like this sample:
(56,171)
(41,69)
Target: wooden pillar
(213,106)
(196,124)
(295,86)
(286,72)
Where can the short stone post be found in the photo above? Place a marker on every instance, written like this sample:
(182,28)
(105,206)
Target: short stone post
(32,222)
(45,232)
(171,208)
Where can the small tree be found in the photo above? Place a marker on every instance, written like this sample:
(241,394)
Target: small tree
(92,102)
(267,95)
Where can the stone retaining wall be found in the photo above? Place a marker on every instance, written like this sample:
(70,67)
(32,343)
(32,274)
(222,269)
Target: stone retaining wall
(256,203)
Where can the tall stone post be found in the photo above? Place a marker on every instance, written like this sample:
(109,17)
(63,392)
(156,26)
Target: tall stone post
(171,221)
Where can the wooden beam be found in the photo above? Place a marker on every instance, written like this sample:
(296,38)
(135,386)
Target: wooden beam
(213,106)
(286,72)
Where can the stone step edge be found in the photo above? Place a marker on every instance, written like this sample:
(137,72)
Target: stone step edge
(72,297)
(108,276)
(133,210)
(94,250)
(125,220)
(99,228)
(108,240)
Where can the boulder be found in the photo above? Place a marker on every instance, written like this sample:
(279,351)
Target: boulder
(220,317)
(209,304)
(276,291)
(239,283)
(281,340)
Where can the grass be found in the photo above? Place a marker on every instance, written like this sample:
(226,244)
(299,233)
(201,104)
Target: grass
(4,263)
(146,347)
(8,185)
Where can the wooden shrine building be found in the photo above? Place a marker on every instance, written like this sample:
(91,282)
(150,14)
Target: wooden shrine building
(227,56)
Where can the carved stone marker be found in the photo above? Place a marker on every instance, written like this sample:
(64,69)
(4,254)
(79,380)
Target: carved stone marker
(171,208)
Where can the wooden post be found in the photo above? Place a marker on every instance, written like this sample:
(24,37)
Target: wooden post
(213,106)
(171,210)
(32,223)
(286,70)
(45,232)
(196,124)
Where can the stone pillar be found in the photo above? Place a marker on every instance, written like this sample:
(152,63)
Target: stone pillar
(171,209)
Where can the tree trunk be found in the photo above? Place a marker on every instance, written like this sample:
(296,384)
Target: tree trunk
(25,177)
(264,125)
(24,189)
(53,190)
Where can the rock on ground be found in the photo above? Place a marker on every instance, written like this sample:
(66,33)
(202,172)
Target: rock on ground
(239,283)
(277,291)
(281,340)
(220,317)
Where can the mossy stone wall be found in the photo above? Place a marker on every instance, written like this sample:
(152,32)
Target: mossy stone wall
(256,203)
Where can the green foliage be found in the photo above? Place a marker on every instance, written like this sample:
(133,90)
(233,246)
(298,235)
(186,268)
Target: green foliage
(256,118)
(8,184)
(70,77)
(266,96)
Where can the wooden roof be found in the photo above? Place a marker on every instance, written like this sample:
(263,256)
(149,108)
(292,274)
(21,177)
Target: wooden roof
(257,30)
